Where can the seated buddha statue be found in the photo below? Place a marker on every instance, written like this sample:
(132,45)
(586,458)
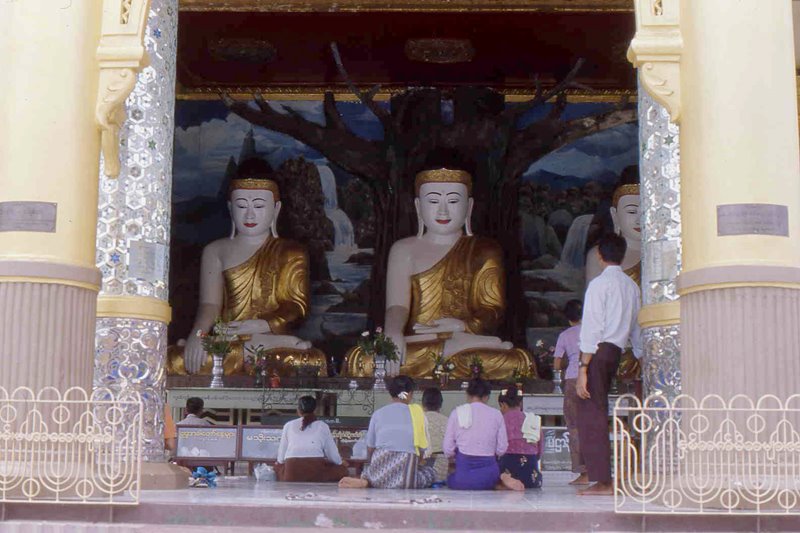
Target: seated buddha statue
(255,281)
(625,215)
(445,289)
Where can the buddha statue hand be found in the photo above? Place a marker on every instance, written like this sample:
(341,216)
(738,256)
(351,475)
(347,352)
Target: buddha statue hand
(441,325)
(467,341)
(248,327)
(194,355)
(399,341)
(270,341)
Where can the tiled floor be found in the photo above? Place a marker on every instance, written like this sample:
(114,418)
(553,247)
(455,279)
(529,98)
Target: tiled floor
(557,495)
(241,504)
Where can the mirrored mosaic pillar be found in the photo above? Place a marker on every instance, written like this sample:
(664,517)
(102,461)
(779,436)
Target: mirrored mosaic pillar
(661,247)
(133,229)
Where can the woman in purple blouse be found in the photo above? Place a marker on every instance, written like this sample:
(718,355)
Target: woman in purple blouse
(521,459)
(476,436)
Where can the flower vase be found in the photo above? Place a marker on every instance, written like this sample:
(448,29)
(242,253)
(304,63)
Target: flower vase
(260,375)
(217,371)
(443,379)
(614,390)
(557,382)
(380,373)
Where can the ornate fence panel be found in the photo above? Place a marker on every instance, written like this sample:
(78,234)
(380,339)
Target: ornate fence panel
(734,457)
(72,447)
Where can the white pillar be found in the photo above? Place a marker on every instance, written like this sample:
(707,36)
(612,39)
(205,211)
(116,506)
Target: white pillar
(133,230)
(659,169)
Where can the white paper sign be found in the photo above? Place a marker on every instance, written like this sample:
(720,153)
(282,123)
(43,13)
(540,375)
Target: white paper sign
(662,261)
(147,260)
(197,442)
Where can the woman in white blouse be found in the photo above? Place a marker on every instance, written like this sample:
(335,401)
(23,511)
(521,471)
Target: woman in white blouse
(307,451)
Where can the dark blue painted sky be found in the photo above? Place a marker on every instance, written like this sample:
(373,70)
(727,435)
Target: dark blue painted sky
(206,135)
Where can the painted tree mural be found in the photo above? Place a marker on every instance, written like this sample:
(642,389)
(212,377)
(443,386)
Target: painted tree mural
(484,131)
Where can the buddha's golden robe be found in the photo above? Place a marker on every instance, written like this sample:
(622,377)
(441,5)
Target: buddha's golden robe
(467,284)
(629,366)
(272,285)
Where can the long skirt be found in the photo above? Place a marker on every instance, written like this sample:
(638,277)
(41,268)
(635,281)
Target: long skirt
(310,470)
(571,402)
(593,413)
(474,473)
(397,470)
(522,467)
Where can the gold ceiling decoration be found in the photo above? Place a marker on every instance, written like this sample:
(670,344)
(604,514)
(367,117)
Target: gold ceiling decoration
(434,50)
(407,5)
(344,94)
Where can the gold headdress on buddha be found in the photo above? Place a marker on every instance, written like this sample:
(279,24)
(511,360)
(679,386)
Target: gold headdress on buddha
(256,184)
(629,189)
(443,175)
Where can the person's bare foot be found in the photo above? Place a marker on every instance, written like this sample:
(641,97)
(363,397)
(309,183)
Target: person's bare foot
(598,489)
(353,483)
(582,479)
(509,483)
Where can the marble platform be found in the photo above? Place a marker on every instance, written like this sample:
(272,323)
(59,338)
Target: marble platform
(242,504)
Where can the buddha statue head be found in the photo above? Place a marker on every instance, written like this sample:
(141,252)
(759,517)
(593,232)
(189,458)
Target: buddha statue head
(625,212)
(254,200)
(443,201)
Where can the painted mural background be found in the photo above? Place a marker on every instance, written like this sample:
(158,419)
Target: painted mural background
(563,203)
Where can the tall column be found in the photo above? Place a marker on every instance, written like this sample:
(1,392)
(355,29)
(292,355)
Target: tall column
(656,52)
(58,79)
(740,199)
(133,227)
(659,166)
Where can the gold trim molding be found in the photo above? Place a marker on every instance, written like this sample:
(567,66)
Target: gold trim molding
(344,94)
(663,314)
(120,55)
(349,6)
(656,51)
(141,307)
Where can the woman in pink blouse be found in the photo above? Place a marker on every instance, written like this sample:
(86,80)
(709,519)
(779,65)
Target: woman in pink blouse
(521,459)
(476,436)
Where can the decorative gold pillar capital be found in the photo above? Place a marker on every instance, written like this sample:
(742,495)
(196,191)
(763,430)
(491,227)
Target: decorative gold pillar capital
(660,314)
(139,307)
(120,54)
(656,51)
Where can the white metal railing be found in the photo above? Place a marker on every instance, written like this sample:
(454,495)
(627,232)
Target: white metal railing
(72,447)
(734,457)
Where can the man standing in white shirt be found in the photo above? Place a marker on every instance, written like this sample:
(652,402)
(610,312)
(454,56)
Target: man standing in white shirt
(610,320)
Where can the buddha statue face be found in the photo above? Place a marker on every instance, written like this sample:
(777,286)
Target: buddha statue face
(627,221)
(444,208)
(254,212)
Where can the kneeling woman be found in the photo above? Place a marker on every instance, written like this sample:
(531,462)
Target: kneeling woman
(395,441)
(307,451)
(476,436)
(521,459)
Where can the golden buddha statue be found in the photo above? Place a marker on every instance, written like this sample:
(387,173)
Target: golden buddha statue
(625,214)
(445,290)
(255,281)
